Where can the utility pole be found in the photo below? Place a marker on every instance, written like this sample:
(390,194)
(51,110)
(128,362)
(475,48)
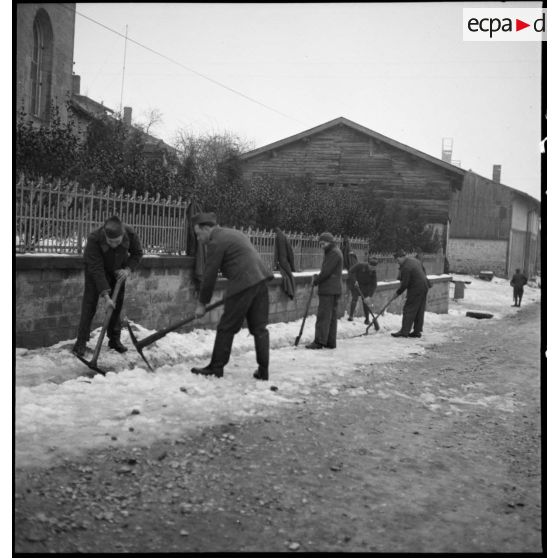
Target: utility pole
(123,70)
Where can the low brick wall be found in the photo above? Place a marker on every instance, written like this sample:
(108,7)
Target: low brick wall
(49,291)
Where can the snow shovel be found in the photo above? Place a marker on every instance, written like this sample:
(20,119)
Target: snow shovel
(297,340)
(93,362)
(140,344)
(381,312)
(374,320)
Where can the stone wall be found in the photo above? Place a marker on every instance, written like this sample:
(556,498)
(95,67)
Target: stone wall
(472,255)
(158,294)
(62,21)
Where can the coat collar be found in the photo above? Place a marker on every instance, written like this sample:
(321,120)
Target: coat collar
(103,241)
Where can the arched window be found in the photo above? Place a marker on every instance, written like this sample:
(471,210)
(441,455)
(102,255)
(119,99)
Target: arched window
(41,66)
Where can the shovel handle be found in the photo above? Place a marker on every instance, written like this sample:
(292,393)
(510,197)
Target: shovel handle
(297,340)
(383,310)
(162,332)
(106,321)
(374,320)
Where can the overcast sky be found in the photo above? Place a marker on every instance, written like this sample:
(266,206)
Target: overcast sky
(400,69)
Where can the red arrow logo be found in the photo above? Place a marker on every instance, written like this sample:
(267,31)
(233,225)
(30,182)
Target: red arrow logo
(519,25)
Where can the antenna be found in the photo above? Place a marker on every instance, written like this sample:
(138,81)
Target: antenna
(123,70)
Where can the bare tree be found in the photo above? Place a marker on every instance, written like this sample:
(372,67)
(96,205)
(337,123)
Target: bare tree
(151,118)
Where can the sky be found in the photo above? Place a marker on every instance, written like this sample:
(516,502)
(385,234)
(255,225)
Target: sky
(265,72)
(60,412)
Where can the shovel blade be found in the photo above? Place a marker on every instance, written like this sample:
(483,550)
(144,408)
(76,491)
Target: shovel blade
(92,365)
(137,346)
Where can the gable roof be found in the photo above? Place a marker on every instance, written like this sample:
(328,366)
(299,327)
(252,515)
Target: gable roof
(514,191)
(362,129)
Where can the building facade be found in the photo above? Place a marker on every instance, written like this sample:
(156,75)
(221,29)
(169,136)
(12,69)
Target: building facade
(493,227)
(344,154)
(44,59)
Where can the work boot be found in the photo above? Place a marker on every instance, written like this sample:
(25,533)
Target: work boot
(79,348)
(400,334)
(367,321)
(350,319)
(415,334)
(117,345)
(208,371)
(315,345)
(261,373)
(261,343)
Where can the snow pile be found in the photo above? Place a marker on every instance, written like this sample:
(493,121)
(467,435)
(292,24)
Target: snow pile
(60,411)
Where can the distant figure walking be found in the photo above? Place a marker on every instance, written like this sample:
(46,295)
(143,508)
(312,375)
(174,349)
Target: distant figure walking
(362,276)
(414,281)
(518,281)
(329,291)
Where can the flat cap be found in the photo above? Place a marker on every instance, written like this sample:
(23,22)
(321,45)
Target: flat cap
(399,254)
(326,237)
(204,219)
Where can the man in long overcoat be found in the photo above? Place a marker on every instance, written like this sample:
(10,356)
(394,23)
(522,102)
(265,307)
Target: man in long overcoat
(284,258)
(329,291)
(231,252)
(414,281)
(111,252)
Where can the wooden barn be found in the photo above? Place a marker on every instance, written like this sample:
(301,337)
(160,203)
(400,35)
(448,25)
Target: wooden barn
(343,154)
(493,227)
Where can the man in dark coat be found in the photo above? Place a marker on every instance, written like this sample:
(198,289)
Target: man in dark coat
(346,251)
(111,252)
(231,252)
(329,291)
(414,281)
(518,281)
(284,258)
(362,276)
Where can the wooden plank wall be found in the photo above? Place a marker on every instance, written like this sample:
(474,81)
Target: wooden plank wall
(482,209)
(344,157)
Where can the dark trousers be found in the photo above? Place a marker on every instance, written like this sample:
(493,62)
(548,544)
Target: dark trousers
(517,295)
(354,300)
(326,320)
(89,307)
(413,312)
(251,304)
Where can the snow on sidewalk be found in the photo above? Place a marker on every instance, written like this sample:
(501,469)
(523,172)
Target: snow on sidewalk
(60,412)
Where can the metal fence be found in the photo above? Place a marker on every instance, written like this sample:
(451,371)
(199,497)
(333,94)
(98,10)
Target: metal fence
(57,217)
(306,248)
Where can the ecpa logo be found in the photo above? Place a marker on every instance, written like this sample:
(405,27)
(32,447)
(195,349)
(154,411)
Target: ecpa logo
(504,24)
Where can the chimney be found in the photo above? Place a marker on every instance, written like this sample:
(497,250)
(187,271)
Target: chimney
(496,172)
(76,84)
(127,116)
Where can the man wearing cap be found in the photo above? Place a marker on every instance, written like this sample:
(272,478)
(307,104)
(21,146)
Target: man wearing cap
(329,291)
(362,276)
(231,252)
(111,252)
(414,281)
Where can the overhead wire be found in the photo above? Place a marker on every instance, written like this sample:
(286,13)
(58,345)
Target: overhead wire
(169,59)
